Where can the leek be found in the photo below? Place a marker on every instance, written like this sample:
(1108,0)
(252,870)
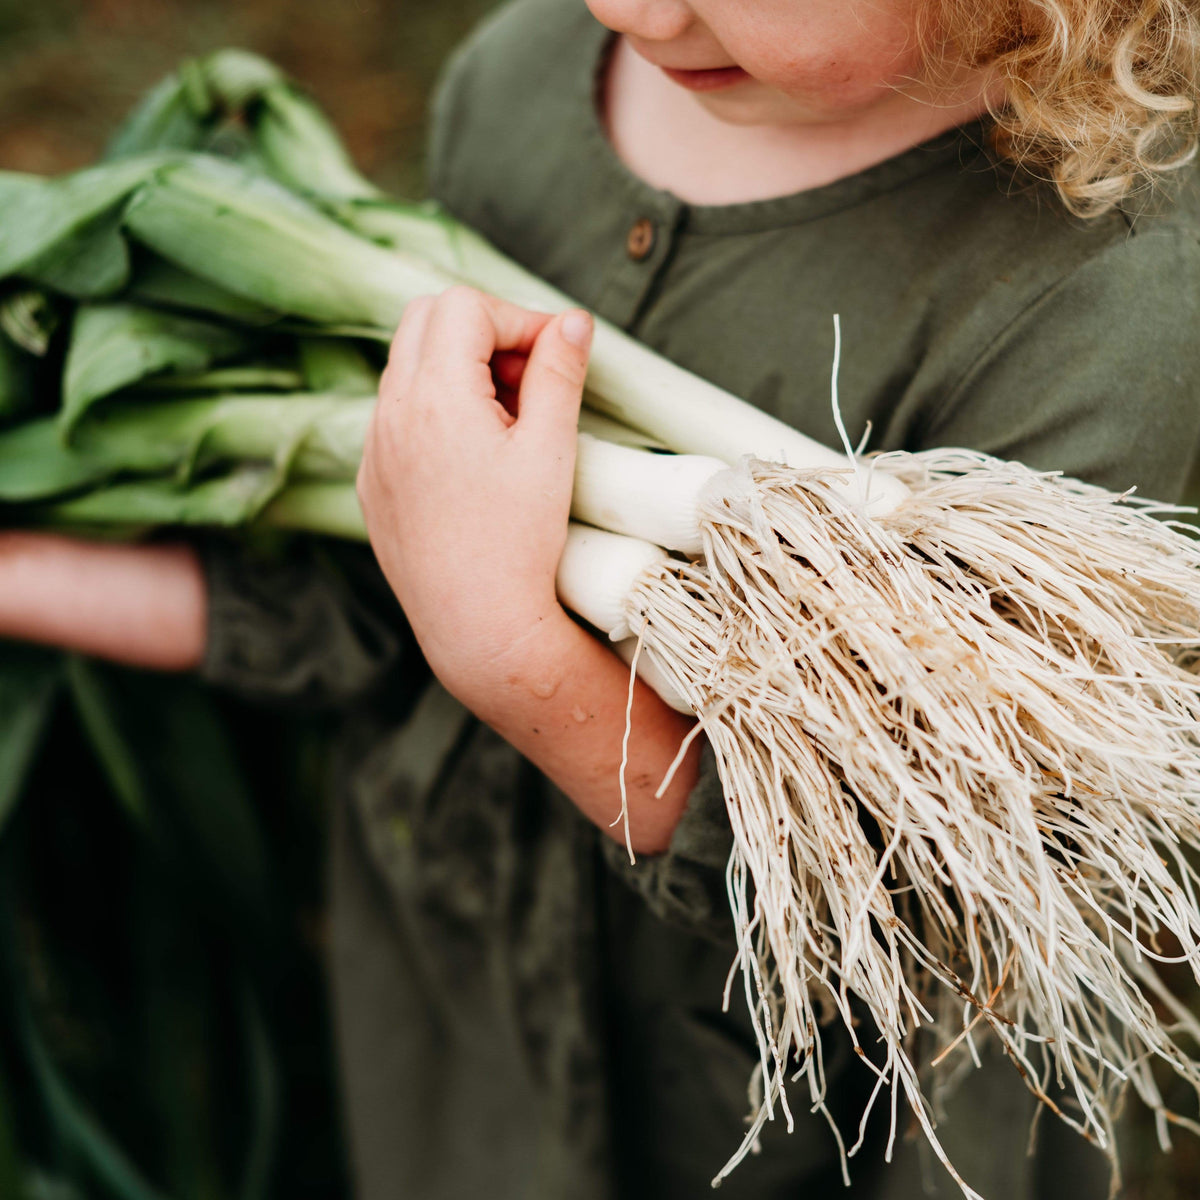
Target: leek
(42,218)
(16,381)
(232,499)
(224,379)
(336,365)
(319,436)
(226,225)
(115,345)
(161,284)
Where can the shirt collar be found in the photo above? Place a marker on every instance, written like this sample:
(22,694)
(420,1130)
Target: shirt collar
(961,148)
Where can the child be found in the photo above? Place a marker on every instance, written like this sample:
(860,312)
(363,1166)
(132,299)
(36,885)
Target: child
(521,1012)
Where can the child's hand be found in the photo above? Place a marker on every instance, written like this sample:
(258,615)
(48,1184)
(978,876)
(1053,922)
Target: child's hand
(467,505)
(466,502)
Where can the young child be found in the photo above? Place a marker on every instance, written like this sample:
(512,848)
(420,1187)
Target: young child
(521,1012)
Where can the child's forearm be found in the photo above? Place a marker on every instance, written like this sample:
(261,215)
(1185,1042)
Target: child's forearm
(467,510)
(560,699)
(145,606)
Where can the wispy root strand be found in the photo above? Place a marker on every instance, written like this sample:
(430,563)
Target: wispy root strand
(960,758)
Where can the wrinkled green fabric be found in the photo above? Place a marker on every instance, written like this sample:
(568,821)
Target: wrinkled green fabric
(521,1012)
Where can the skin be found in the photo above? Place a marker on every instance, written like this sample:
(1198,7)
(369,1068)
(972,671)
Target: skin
(466,475)
(829,88)
(141,605)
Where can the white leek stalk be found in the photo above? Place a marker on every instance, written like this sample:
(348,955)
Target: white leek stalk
(650,496)
(598,573)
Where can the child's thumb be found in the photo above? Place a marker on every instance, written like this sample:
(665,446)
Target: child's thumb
(552,386)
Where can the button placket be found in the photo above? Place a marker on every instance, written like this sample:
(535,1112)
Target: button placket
(638,261)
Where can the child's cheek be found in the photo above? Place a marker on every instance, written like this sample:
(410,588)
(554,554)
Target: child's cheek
(839,79)
(829,55)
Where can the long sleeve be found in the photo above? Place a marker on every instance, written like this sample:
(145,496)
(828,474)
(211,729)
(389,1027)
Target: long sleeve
(315,625)
(685,885)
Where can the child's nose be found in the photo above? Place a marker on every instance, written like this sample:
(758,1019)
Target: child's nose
(648,20)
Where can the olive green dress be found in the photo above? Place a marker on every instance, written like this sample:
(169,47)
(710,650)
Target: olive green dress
(523,1015)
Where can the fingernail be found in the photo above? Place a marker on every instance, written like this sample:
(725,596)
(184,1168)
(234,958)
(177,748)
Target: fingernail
(577,328)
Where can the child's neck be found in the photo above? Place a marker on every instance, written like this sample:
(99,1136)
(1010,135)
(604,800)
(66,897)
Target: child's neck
(667,138)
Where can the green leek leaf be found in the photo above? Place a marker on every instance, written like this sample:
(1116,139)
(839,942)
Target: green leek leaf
(316,435)
(114,345)
(327,508)
(88,689)
(161,283)
(425,229)
(39,218)
(302,149)
(169,758)
(257,239)
(237,78)
(232,499)
(79,1128)
(175,115)
(310,435)
(89,263)
(29,682)
(14,183)
(74,1124)
(337,365)
(35,465)
(225,380)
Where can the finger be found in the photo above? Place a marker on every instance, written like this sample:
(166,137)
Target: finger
(404,352)
(552,387)
(467,328)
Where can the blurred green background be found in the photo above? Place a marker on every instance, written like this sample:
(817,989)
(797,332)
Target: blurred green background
(164,1030)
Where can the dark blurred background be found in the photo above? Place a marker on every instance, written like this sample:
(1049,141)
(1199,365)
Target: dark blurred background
(164,1032)
(70,69)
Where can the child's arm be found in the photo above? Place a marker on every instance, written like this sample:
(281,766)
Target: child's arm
(140,605)
(467,511)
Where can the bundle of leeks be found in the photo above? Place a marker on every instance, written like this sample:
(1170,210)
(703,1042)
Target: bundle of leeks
(937,646)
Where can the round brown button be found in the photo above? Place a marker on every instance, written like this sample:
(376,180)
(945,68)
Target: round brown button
(640,241)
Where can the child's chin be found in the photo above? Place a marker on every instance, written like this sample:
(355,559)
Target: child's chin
(751,103)
(759,104)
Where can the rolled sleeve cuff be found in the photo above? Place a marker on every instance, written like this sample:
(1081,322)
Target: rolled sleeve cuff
(685,885)
(291,630)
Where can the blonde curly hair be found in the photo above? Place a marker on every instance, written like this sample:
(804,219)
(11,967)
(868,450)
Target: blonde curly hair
(1098,97)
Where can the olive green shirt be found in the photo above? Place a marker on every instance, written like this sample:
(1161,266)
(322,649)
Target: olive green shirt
(521,1013)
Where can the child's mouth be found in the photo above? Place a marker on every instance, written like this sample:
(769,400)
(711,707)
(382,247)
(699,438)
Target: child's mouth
(706,81)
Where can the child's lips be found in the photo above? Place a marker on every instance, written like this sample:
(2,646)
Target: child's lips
(707,81)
